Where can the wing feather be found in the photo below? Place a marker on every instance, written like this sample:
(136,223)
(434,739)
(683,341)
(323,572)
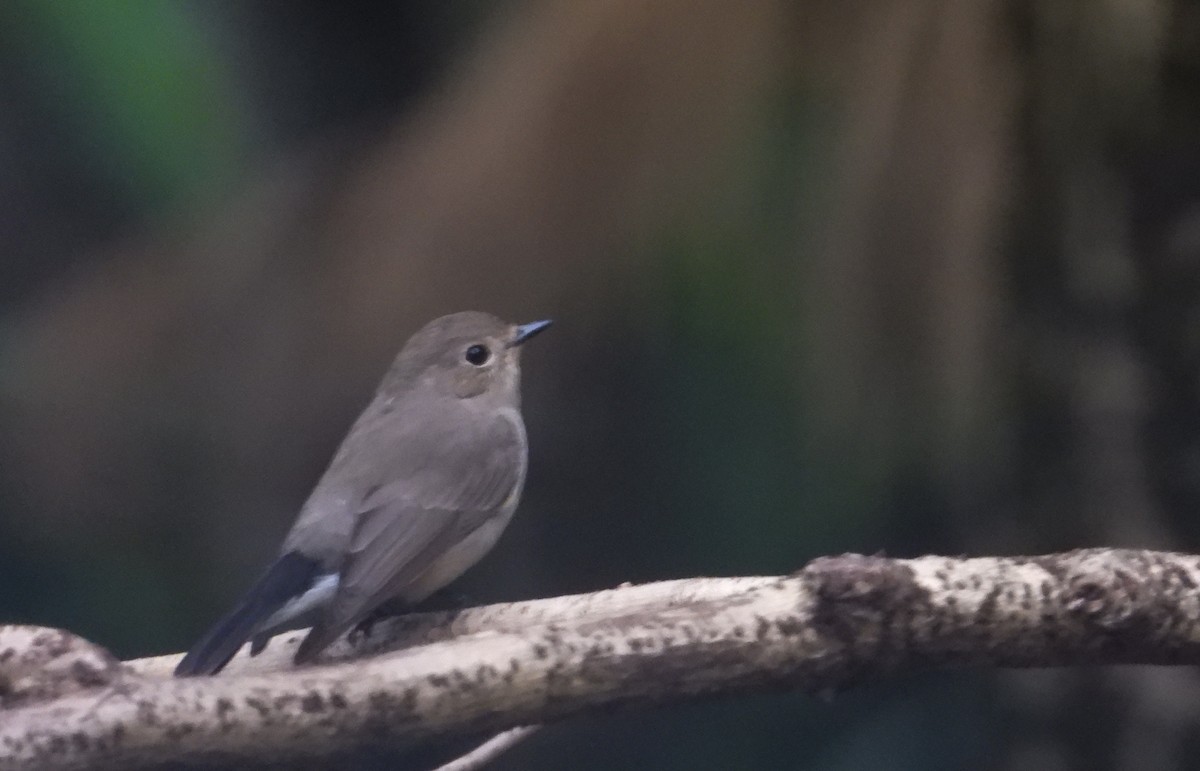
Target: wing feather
(404,526)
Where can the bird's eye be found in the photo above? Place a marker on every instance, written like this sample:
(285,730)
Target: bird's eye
(478,355)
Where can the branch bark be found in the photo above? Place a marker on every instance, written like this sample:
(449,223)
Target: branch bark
(838,621)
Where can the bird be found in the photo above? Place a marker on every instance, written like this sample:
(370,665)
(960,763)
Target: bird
(420,490)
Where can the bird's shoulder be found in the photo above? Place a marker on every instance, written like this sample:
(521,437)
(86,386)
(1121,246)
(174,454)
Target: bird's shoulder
(441,458)
(414,438)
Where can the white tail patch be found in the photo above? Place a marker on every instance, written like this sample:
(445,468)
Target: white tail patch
(319,594)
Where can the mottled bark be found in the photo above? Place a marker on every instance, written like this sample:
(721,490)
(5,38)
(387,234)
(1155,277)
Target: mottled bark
(838,621)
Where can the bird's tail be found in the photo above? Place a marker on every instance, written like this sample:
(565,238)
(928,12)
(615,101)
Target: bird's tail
(290,576)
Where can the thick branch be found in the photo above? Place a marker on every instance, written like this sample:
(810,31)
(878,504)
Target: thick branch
(840,620)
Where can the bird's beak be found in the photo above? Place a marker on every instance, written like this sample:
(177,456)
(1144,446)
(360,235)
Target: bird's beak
(526,331)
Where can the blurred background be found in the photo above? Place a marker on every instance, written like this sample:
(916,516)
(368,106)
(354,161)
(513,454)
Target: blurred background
(828,275)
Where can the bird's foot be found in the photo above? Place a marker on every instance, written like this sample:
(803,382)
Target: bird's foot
(446,600)
(386,610)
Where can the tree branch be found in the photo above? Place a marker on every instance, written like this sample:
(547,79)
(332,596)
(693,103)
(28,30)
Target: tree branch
(839,621)
(490,750)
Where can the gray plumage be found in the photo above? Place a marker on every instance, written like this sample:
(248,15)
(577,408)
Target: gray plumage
(420,489)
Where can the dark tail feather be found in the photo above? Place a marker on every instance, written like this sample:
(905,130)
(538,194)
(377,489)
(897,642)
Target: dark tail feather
(258,643)
(291,575)
(317,640)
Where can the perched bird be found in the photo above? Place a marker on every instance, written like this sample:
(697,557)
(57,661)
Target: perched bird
(419,491)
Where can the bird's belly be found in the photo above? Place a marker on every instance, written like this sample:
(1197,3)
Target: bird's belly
(457,559)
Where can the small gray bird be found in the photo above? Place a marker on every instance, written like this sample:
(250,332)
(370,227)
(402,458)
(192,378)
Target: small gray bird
(419,491)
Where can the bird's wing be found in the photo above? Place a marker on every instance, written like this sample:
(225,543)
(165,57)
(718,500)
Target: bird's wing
(407,524)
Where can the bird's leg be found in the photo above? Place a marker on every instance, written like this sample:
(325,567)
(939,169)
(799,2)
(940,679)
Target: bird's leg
(443,600)
(386,609)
